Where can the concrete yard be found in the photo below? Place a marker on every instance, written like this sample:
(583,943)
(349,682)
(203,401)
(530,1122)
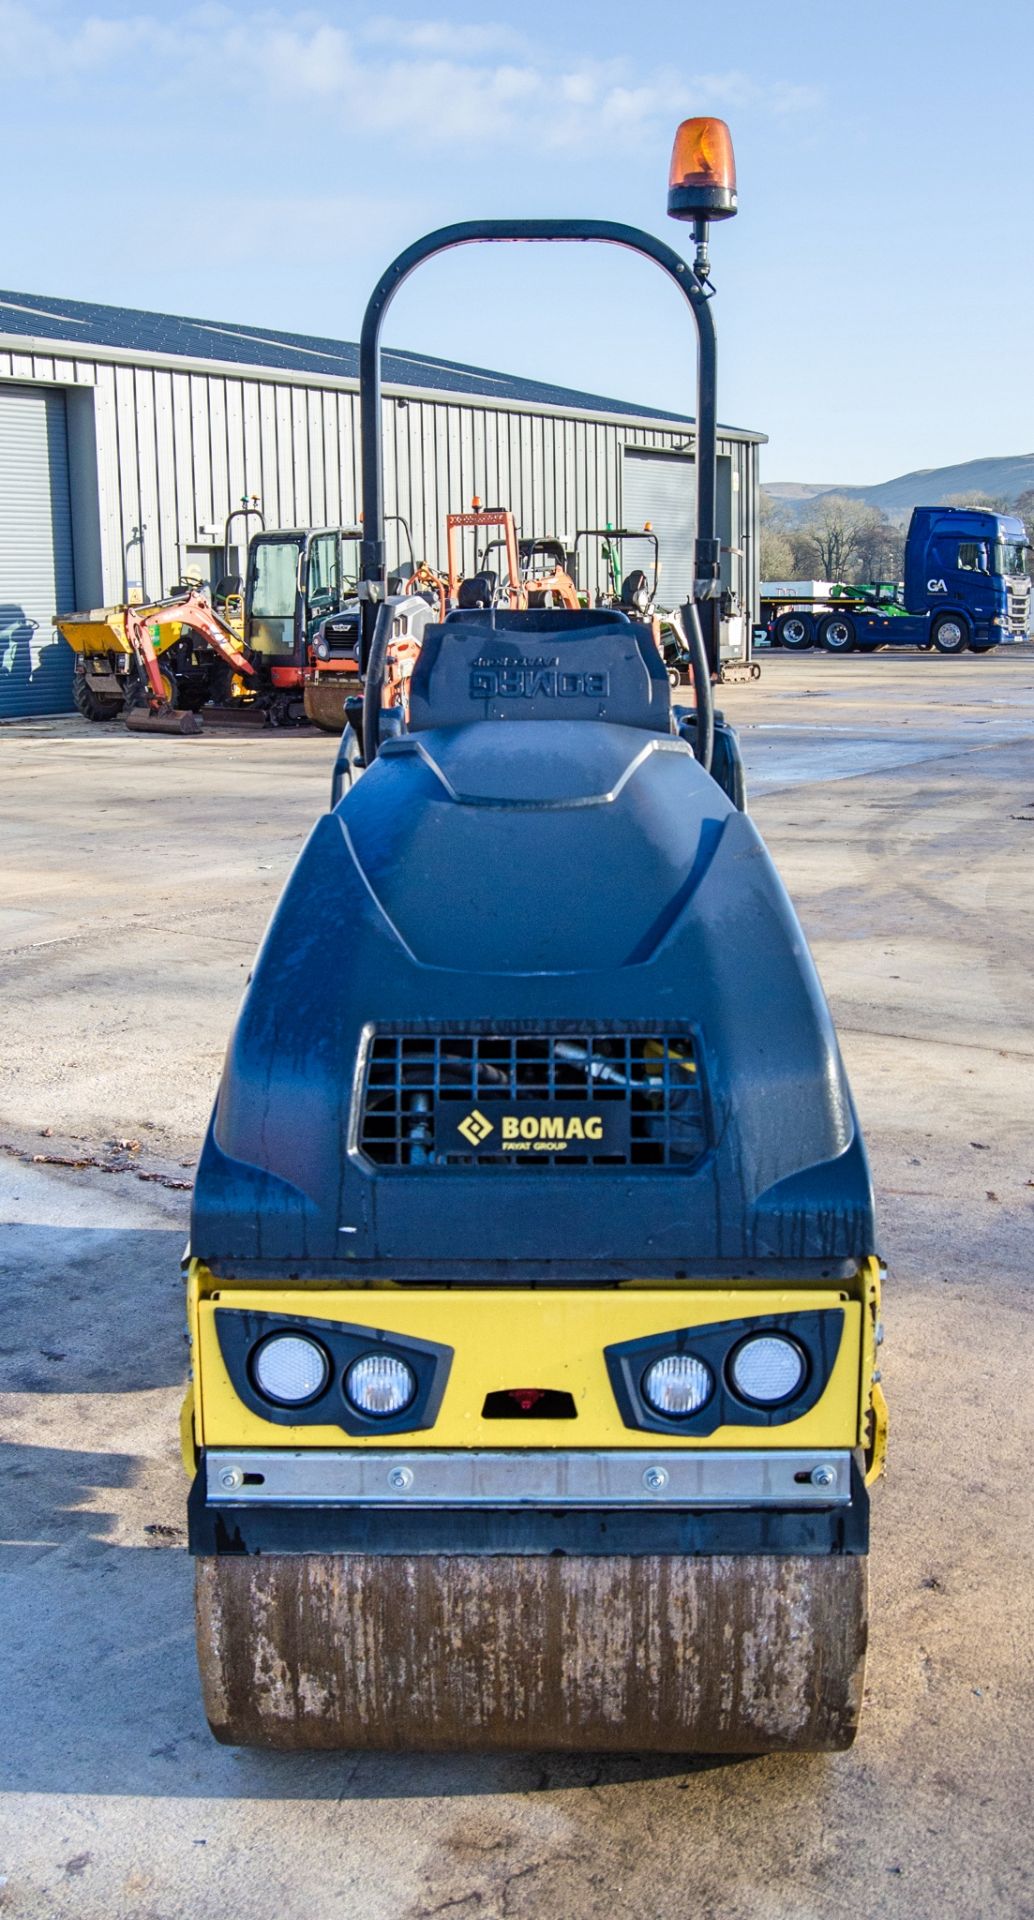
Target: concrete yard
(897,795)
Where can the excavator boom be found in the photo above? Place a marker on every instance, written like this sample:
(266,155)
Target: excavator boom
(188,610)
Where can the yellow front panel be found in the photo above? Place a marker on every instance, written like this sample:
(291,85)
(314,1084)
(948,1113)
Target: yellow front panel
(523,1339)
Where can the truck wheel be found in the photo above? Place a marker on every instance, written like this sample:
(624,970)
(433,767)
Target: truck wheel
(93,706)
(794,630)
(950,633)
(837,633)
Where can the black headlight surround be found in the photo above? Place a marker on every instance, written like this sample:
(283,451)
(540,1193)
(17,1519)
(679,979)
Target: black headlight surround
(240,1333)
(818,1333)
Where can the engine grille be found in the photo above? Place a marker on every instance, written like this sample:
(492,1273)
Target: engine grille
(433,1100)
(1018,610)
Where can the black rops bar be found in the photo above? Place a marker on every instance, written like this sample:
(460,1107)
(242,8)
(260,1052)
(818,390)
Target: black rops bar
(610,233)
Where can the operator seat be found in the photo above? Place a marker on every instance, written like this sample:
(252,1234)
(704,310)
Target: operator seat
(495,664)
(635,591)
(479,591)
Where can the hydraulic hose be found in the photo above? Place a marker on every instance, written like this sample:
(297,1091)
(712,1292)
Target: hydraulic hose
(691,634)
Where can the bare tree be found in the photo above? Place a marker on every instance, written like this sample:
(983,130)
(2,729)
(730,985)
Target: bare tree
(836,530)
(777,557)
(880,554)
(840,540)
(807,561)
(848,541)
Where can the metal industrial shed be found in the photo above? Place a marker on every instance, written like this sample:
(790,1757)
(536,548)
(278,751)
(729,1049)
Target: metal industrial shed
(126,438)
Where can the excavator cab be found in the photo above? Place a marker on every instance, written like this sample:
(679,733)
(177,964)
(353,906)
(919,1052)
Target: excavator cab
(330,673)
(296,577)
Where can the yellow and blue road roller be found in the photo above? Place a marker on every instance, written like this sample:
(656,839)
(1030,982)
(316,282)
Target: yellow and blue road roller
(533,1289)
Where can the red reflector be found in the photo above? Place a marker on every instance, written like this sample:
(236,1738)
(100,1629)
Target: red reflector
(529,1403)
(525,1396)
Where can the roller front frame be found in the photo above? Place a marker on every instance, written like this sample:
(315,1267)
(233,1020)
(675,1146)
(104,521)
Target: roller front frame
(622,1557)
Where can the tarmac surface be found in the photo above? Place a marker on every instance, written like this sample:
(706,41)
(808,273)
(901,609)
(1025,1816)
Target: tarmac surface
(897,795)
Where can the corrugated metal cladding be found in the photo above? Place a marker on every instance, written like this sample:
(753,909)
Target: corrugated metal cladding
(661,488)
(36,571)
(162,449)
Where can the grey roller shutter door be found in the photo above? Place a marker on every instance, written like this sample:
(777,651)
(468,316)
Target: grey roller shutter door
(662,488)
(37,577)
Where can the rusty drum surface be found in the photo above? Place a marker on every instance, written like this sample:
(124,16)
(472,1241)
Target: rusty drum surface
(735,1654)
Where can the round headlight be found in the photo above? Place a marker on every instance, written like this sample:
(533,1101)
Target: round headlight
(322,650)
(380,1384)
(678,1384)
(290,1368)
(767,1368)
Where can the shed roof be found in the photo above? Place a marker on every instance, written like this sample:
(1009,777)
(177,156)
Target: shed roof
(134,331)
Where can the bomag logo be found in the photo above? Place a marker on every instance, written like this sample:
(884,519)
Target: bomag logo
(581,1129)
(520,679)
(532,1132)
(549,1132)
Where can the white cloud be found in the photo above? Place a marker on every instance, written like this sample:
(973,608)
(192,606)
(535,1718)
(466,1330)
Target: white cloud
(445,84)
(445,37)
(252,225)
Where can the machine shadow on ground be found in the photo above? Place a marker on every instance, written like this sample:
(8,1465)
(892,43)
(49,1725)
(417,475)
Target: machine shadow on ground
(91,1309)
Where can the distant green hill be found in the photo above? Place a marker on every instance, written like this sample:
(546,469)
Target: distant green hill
(1002,477)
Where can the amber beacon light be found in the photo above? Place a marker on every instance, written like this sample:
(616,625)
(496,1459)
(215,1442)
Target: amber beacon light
(702,181)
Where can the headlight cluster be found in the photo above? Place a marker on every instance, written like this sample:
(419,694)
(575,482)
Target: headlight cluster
(291,1370)
(314,1372)
(765,1369)
(749,1372)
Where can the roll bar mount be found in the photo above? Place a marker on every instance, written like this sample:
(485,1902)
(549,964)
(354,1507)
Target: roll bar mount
(702,611)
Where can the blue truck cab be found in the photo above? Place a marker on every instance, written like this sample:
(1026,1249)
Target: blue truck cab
(966,582)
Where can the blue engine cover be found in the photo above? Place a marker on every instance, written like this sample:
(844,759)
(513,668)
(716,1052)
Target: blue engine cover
(557,877)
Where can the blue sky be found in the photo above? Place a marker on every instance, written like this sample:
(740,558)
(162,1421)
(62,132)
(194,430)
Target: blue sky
(245,163)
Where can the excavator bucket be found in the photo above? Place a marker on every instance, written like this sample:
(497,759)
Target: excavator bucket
(325,703)
(163,720)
